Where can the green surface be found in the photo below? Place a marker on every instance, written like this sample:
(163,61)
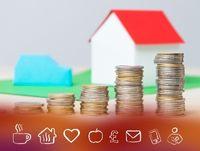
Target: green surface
(6,87)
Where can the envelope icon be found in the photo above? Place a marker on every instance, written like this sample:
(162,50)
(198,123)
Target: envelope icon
(133,136)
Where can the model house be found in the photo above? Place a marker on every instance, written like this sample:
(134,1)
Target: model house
(131,37)
(41,70)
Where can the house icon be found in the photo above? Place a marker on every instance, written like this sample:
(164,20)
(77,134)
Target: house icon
(47,136)
(131,37)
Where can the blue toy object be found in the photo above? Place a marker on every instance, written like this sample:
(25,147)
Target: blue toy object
(41,70)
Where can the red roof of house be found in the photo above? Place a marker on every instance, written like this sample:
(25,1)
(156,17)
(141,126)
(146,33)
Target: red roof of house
(147,27)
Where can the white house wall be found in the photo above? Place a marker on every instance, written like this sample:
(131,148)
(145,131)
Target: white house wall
(110,46)
(144,55)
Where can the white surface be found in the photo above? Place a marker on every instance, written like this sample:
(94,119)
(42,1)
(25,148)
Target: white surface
(112,46)
(192,101)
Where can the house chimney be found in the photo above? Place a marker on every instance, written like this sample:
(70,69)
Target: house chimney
(53,130)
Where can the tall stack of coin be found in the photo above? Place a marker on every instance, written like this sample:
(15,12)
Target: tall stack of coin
(94,100)
(28,108)
(170,84)
(61,103)
(129,90)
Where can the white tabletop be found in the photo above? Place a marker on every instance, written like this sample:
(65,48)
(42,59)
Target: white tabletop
(192,99)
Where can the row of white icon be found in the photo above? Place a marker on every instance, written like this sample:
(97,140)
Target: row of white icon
(48,136)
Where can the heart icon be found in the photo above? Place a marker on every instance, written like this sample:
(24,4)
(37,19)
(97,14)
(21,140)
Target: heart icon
(71,134)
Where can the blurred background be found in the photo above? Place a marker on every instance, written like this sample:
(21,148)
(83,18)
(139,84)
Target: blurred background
(62,28)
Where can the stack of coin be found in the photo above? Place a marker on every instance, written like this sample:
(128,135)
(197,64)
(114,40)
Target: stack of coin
(61,103)
(129,90)
(94,100)
(28,108)
(170,84)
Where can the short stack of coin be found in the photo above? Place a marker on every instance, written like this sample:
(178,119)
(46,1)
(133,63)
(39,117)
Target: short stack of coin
(61,103)
(94,100)
(129,90)
(170,84)
(28,108)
